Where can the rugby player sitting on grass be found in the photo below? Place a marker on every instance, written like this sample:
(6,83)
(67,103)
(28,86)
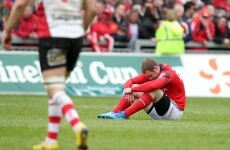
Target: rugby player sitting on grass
(158,90)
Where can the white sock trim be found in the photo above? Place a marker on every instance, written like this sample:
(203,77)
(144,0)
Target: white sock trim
(53,127)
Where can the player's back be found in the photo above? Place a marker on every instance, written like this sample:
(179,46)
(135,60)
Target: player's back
(175,87)
(60,18)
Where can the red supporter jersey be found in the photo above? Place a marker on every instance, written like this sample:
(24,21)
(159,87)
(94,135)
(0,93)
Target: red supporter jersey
(27,26)
(169,81)
(101,28)
(199,33)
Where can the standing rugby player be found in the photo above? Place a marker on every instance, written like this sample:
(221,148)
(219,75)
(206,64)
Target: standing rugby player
(61,27)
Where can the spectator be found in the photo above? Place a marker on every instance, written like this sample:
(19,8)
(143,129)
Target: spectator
(220,12)
(4,16)
(128,5)
(158,9)
(212,11)
(110,4)
(169,35)
(99,36)
(225,7)
(122,35)
(138,1)
(1,15)
(7,4)
(133,27)
(203,28)
(198,4)
(28,24)
(148,22)
(222,31)
(206,2)
(100,5)
(189,10)
(179,10)
(225,4)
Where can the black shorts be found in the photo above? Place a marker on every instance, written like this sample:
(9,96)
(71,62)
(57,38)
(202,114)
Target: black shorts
(162,106)
(58,52)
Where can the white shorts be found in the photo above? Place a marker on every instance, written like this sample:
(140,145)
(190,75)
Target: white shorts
(173,113)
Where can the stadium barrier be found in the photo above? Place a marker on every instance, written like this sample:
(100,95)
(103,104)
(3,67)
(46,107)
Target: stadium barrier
(204,75)
(141,45)
(149,46)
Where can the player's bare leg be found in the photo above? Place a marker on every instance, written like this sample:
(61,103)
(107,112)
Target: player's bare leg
(164,108)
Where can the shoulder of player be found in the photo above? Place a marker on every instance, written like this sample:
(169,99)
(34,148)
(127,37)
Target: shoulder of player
(164,73)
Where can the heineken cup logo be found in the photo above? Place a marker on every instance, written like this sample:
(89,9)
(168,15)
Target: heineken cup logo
(114,75)
(97,72)
(18,74)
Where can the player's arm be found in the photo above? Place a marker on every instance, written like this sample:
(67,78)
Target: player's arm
(15,14)
(136,80)
(150,86)
(127,86)
(89,7)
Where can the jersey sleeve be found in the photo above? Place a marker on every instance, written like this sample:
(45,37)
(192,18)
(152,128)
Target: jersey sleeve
(136,80)
(158,83)
(195,31)
(210,31)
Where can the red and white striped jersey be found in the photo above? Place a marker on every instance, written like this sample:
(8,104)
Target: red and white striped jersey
(59,18)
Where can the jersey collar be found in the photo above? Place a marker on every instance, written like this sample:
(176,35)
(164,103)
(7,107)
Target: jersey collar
(161,67)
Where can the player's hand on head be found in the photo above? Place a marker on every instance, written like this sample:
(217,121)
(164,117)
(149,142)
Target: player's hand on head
(6,40)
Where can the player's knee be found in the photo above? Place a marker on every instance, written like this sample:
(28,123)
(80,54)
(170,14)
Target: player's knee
(61,98)
(54,84)
(157,94)
(138,94)
(162,106)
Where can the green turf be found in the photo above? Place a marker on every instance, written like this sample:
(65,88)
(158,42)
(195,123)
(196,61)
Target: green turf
(204,126)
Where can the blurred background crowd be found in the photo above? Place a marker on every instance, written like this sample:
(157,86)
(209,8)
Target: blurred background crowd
(167,23)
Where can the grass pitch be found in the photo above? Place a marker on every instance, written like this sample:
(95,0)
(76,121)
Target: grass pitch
(204,126)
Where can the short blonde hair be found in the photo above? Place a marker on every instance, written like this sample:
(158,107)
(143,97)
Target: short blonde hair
(148,64)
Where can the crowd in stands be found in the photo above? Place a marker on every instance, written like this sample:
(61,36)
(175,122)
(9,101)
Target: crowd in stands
(161,21)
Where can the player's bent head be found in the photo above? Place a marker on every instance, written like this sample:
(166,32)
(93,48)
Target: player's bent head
(148,64)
